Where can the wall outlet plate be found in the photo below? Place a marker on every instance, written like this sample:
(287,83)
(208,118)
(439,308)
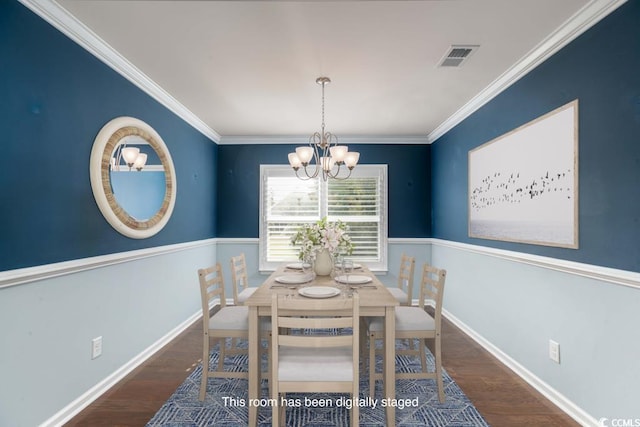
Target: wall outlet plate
(554,351)
(96,347)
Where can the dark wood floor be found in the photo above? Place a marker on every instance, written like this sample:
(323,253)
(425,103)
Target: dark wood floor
(503,398)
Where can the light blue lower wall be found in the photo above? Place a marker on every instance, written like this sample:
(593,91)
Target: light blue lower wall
(47,327)
(518,307)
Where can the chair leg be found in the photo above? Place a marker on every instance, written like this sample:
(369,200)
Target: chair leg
(275,415)
(363,345)
(223,346)
(269,370)
(283,415)
(205,367)
(438,357)
(278,414)
(423,353)
(355,416)
(372,365)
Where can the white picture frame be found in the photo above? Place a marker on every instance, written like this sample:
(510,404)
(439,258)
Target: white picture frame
(523,185)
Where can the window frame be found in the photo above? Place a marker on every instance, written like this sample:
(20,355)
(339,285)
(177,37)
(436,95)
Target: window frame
(368,170)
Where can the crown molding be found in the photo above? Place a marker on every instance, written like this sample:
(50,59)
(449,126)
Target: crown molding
(581,21)
(304,139)
(60,18)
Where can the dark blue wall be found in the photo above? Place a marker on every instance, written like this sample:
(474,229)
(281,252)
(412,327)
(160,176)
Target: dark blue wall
(602,70)
(409,185)
(54,98)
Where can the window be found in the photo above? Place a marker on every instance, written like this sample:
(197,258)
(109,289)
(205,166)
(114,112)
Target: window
(286,202)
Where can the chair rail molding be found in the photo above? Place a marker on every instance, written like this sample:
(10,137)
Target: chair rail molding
(42,272)
(605,274)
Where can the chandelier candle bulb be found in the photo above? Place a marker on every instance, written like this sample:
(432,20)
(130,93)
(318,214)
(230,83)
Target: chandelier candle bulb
(338,153)
(130,154)
(140,161)
(304,154)
(351,159)
(294,161)
(327,163)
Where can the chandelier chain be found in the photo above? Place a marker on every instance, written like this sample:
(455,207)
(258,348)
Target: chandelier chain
(323,83)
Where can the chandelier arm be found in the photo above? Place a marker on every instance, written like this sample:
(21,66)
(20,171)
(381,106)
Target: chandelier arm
(308,177)
(334,175)
(315,172)
(342,178)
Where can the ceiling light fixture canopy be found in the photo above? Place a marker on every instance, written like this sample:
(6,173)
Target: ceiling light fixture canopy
(323,149)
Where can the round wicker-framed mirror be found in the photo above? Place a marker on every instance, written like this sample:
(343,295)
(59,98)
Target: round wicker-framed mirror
(104,162)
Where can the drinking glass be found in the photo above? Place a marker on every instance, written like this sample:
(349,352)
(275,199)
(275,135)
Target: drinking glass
(347,268)
(337,266)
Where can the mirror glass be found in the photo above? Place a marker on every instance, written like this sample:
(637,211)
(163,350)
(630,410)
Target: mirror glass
(139,190)
(132,177)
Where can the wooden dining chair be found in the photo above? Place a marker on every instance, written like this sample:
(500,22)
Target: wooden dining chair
(241,289)
(404,291)
(227,322)
(415,323)
(311,361)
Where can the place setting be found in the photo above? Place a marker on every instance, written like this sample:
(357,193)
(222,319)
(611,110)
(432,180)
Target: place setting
(286,280)
(298,266)
(343,275)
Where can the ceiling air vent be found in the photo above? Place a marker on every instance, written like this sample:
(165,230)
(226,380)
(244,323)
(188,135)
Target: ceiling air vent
(457,55)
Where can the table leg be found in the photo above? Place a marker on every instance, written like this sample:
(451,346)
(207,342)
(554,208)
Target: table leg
(390,363)
(254,365)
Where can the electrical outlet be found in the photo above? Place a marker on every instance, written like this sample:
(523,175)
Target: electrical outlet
(554,351)
(96,347)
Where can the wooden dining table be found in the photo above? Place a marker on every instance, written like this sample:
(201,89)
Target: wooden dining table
(375,300)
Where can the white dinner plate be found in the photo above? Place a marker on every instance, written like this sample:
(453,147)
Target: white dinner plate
(298,265)
(353,279)
(319,292)
(294,278)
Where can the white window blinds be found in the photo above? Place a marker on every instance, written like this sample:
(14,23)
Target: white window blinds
(288,202)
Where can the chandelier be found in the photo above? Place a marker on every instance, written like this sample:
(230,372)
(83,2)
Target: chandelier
(324,151)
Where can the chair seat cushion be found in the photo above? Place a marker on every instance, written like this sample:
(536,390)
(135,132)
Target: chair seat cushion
(245,294)
(407,319)
(230,317)
(399,294)
(315,364)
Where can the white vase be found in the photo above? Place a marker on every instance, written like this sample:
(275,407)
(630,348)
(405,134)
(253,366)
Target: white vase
(323,263)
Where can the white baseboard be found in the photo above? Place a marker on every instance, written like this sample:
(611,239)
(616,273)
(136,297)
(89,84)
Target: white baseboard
(566,405)
(84,400)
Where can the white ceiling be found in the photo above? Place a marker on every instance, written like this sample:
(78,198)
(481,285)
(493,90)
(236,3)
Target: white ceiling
(248,68)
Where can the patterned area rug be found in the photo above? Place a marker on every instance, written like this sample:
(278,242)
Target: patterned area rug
(226,402)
